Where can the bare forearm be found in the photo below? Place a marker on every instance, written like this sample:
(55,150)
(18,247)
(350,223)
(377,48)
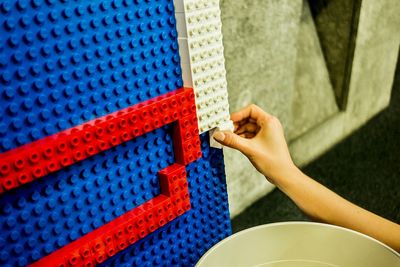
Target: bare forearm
(323,205)
(260,137)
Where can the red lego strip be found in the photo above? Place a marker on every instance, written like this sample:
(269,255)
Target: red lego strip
(37,159)
(127,229)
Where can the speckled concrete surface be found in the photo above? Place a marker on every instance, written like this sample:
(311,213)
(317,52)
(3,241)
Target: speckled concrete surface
(260,39)
(313,98)
(334,20)
(260,50)
(363,168)
(374,60)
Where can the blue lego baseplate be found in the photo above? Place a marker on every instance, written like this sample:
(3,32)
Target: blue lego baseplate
(47,214)
(66,62)
(184,240)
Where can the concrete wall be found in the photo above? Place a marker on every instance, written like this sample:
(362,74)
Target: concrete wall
(314,99)
(274,59)
(260,39)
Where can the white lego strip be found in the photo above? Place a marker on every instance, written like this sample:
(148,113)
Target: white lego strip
(207,97)
(202,56)
(212,108)
(195,5)
(211,87)
(202,45)
(211,69)
(210,92)
(202,60)
(203,31)
(203,82)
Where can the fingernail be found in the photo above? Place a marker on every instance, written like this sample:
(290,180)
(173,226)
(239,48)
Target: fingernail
(219,136)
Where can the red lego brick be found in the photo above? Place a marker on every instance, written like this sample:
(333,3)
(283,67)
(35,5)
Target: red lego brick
(188,128)
(37,159)
(127,229)
(187,151)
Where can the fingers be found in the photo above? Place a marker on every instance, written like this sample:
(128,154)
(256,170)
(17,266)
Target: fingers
(232,140)
(247,135)
(245,121)
(236,126)
(251,112)
(248,127)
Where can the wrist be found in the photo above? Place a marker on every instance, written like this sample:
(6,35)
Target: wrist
(286,177)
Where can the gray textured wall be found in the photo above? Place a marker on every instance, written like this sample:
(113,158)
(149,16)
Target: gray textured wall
(274,59)
(314,99)
(260,40)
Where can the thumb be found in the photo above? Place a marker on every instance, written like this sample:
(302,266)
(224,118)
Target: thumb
(231,140)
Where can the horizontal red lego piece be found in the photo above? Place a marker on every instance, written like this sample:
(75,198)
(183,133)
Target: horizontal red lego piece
(37,159)
(127,229)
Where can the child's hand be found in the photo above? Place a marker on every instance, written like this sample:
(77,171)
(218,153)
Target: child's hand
(260,137)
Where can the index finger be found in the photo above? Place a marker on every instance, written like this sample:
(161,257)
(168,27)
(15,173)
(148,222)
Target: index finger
(251,112)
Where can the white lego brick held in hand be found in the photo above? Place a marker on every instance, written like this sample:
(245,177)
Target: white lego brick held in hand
(227,126)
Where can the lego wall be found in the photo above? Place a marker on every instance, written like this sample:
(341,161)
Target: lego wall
(103,160)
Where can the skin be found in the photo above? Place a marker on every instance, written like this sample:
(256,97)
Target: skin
(260,137)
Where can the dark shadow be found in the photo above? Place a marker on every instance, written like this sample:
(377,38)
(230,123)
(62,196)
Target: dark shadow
(364,168)
(336,22)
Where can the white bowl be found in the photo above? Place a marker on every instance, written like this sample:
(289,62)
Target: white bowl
(299,244)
